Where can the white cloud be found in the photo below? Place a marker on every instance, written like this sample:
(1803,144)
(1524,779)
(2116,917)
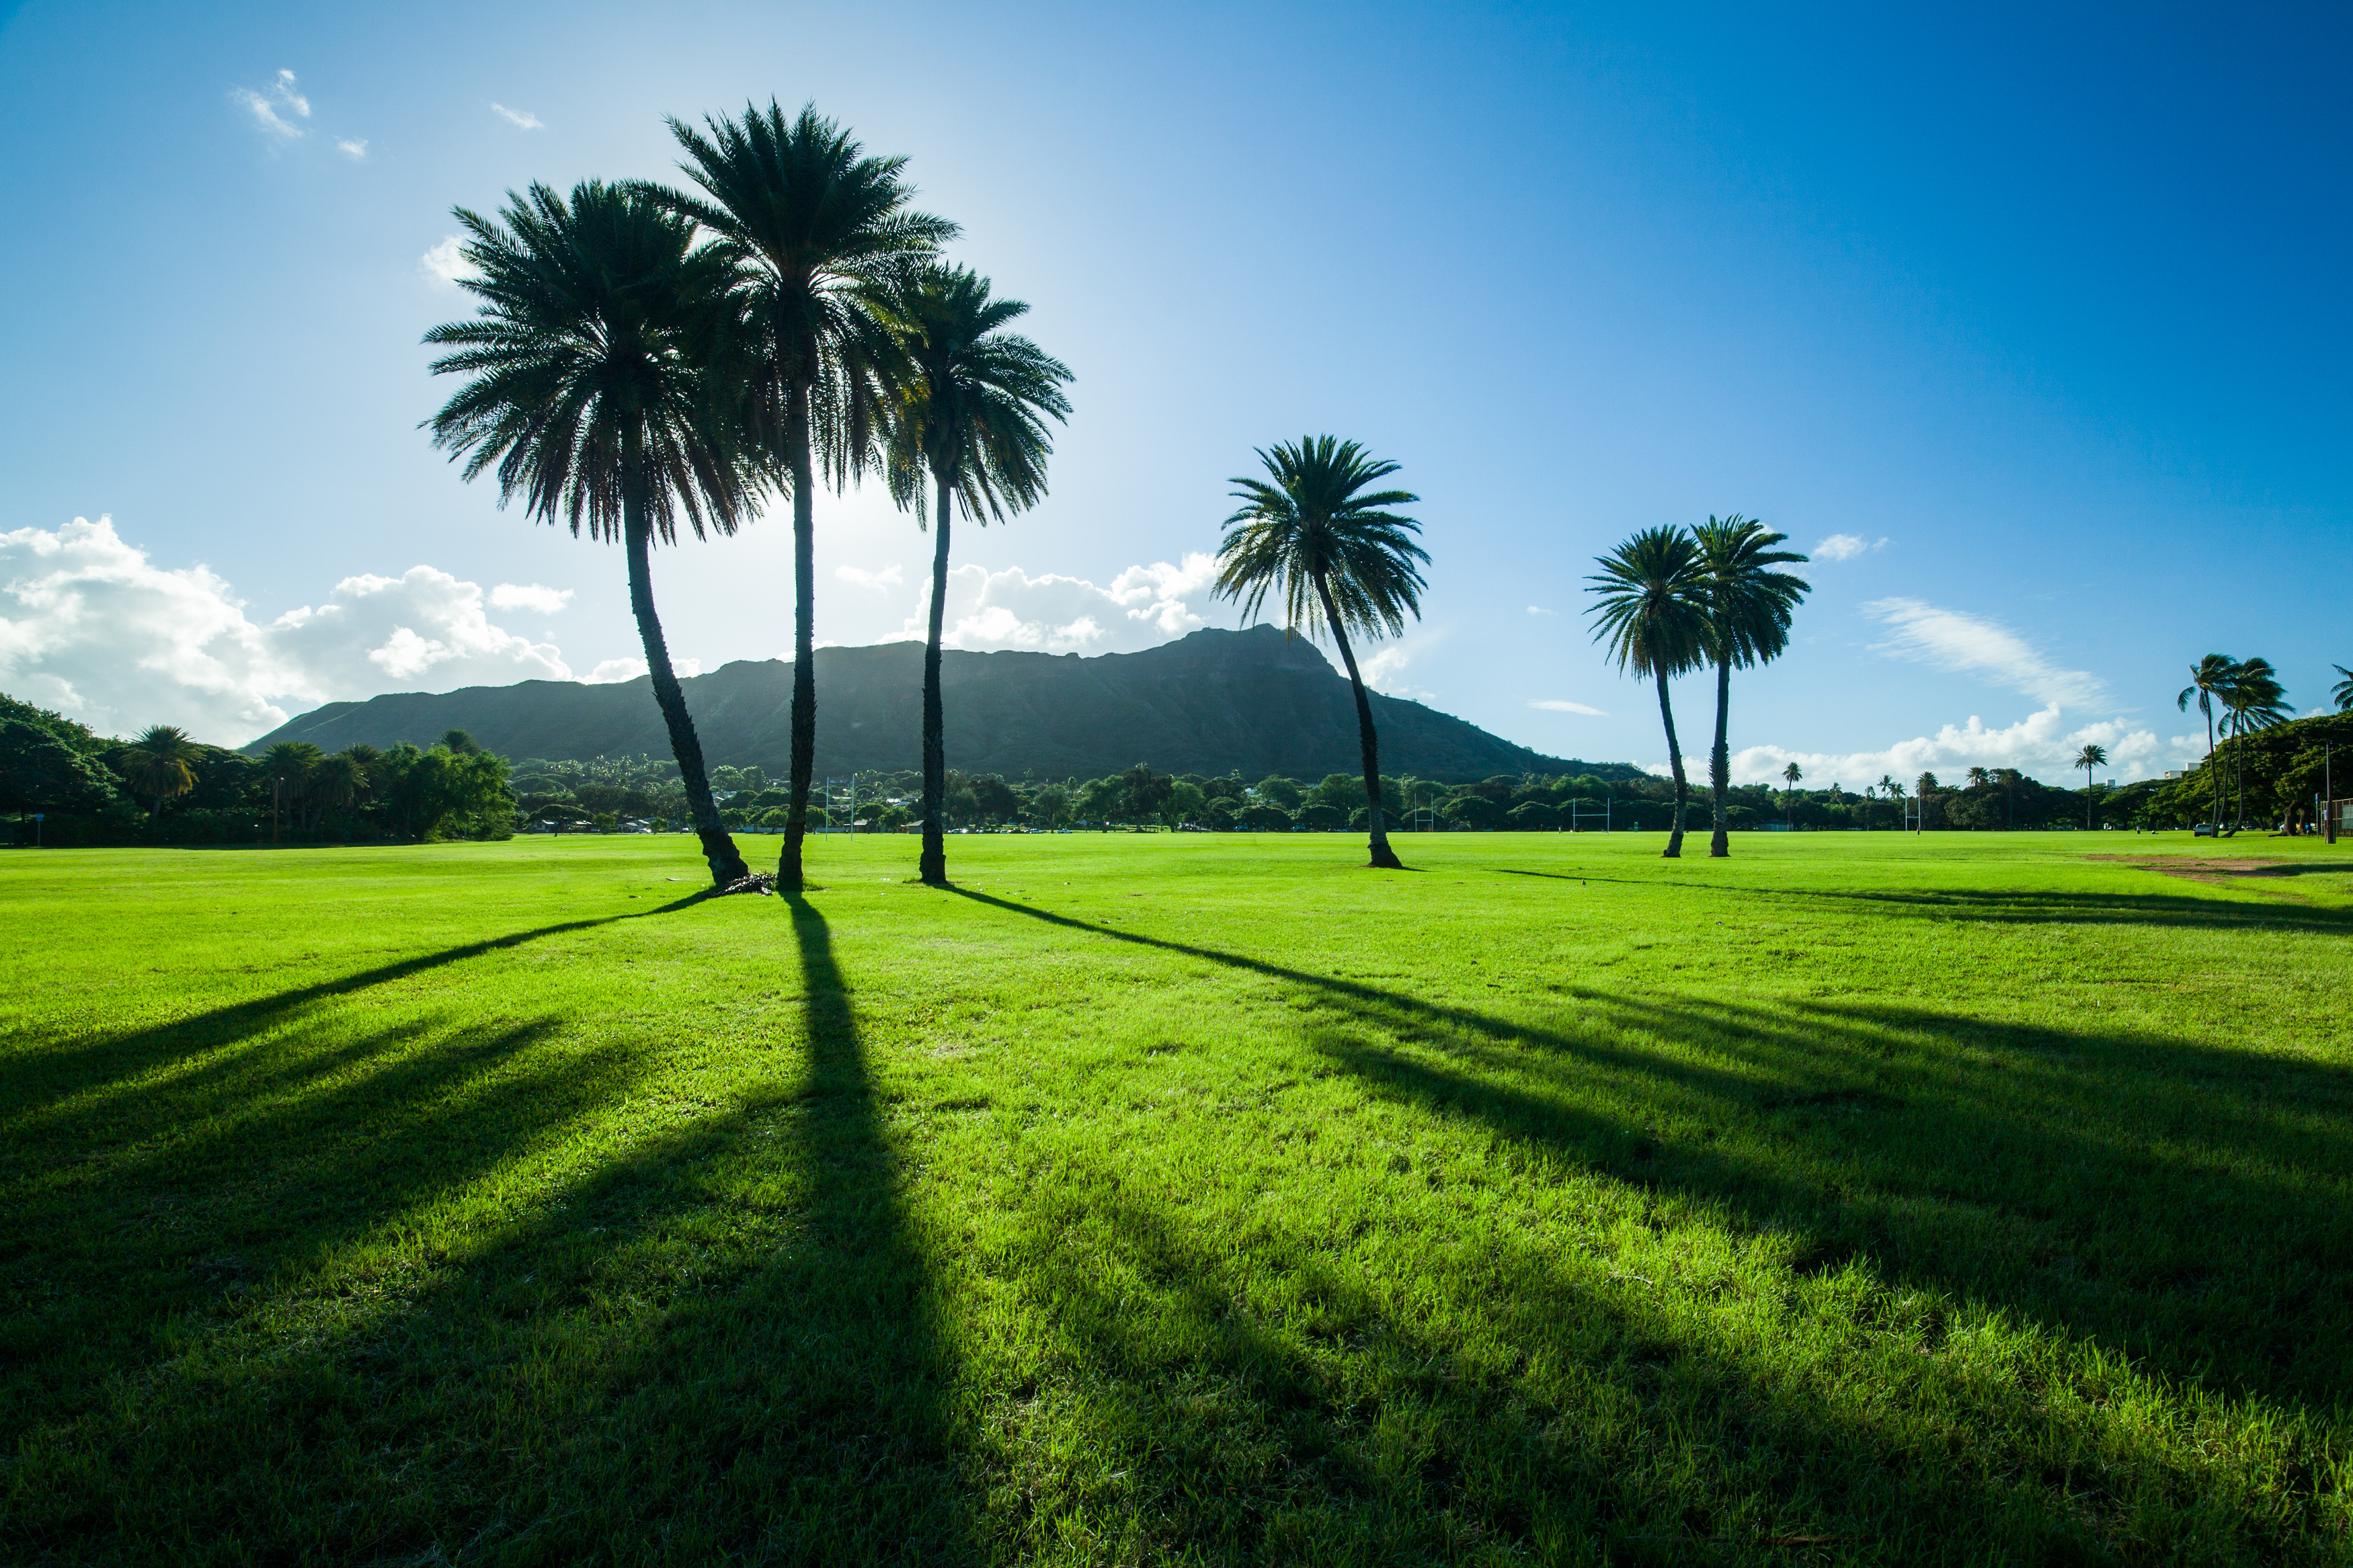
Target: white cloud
(1562,705)
(270,107)
(1538,610)
(611,670)
(1846,547)
(446,262)
(1951,640)
(90,626)
(1142,607)
(2041,745)
(1384,667)
(521,119)
(354,148)
(888,578)
(530,596)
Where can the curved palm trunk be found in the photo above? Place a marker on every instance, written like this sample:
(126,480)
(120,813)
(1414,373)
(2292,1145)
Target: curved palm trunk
(718,848)
(933,866)
(1719,764)
(1367,742)
(803,720)
(1675,761)
(2213,769)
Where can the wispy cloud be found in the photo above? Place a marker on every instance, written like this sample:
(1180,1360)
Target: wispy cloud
(446,262)
(530,596)
(1538,610)
(2041,745)
(352,147)
(1563,705)
(1847,546)
(521,119)
(1952,640)
(273,106)
(879,581)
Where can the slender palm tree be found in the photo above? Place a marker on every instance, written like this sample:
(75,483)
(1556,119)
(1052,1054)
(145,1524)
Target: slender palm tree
(2342,692)
(1790,776)
(1313,535)
(605,368)
(1749,607)
(1927,786)
(1651,616)
(970,417)
(814,226)
(1889,790)
(2209,684)
(2256,701)
(2090,757)
(159,765)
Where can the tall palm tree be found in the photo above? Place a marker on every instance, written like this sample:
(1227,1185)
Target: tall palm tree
(159,765)
(2209,684)
(2256,701)
(1889,790)
(1927,786)
(1789,777)
(2342,692)
(2091,756)
(813,225)
(1748,610)
(1652,618)
(971,417)
(604,385)
(1313,535)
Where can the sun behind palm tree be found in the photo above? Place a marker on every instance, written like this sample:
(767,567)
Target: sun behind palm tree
(813,226)
(971,418)
(1749,607)
(1652,618)
(1336,560)
(600,390)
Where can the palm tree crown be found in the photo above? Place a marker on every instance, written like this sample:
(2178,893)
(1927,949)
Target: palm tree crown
(2342,692)
(159,765)
(1309,531)
(599,364)
(1312,534)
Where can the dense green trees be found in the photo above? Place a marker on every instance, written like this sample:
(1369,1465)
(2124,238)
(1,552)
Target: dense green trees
(1311,534)
(604,381)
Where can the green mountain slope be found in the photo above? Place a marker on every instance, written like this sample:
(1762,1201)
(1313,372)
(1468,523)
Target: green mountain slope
(1209,703)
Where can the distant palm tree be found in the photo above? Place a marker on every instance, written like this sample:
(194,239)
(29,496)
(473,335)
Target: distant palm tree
(2257,702)
(2210,683)
(2010,778)
(2342,692)
(1311,534)
(971,417)
(1653,619)
(1789,777)
(1978,778)
(290,766)
(1928,787)
(2090,757)
(814,225)
(600,390)
(1749,607)
(1889,790)
(159,765)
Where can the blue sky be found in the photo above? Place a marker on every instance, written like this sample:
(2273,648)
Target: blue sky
(2052,306)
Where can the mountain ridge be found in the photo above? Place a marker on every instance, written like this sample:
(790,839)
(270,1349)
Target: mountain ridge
(1212,702)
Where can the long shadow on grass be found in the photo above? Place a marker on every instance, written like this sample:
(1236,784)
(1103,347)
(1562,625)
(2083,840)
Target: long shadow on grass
(2186,1205)
(2021,907)
(715,1342)
(33,1079)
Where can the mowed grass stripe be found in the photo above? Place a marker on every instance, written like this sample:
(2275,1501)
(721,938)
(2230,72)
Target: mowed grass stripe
(1860,1198)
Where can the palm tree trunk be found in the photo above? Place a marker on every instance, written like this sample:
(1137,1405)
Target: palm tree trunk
(1367,742)
(718,848)
(804,719)
(2213,769)
(1719,762)
(1674,761)
(933,867)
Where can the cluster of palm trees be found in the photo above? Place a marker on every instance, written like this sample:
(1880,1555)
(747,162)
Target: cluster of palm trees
(644,354)
(1671,600)
(2249,695)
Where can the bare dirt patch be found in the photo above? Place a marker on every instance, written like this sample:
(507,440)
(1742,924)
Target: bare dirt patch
(2223,873)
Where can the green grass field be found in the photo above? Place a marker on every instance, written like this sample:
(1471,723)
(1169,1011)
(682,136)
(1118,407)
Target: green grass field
(1863,1198)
